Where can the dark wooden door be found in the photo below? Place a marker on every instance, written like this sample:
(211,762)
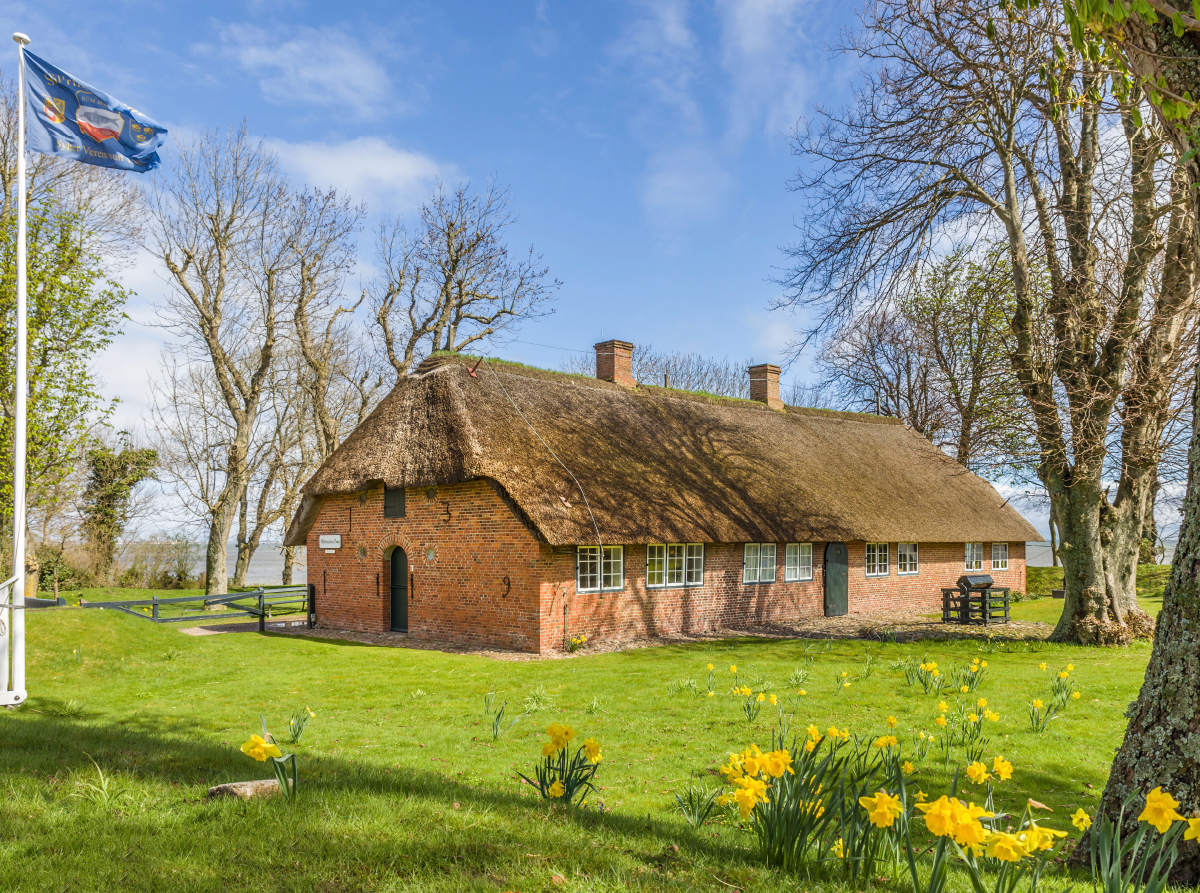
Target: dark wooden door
(399,591)
(837,580)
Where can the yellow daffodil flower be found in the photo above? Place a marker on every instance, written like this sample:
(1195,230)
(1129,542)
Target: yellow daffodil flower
(981,703)
(839,849)
(941,720)
(1160,810)
(591,747)
(1037,704)
(1063,674)
(845,734)
(1075,695)
(973,717)
(810,746)
(1005,847)
(1037,838)
(882,809)
(801,692)
(709,667)
(814,732)
(983,663)
(710,694)
(259,748)
(1083,821)
(907,767)
(920,798)
(556,790)
(733,668)
(977,772)
(892,722)
(963,689)
(761,697)
(833,732)
(1071,667)
(943,706)
(1003,768)
(774,700)
(991,715)
(1043,666)
(1193,830)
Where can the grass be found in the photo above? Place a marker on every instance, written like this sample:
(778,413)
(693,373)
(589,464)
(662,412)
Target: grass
(402,786)
(1151,579)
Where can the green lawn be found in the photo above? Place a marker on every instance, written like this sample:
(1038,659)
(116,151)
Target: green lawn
(402,786)
(1151,579)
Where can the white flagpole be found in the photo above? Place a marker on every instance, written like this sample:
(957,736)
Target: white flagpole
(15,692)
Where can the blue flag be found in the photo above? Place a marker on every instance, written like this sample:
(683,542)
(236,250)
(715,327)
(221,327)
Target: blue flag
(69,119)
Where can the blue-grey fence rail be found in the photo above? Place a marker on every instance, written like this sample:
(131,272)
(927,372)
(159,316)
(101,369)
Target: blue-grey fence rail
(261,604)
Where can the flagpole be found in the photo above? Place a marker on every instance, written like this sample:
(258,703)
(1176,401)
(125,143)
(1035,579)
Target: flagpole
(16,691)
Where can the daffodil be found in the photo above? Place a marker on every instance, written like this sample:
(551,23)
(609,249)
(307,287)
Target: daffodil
(810,746)
(711,693)
(839,849)
(761,697)
(1160,810)
(882,809)
(556,790)
(1037,704)
(814,732)
(259,748)
(1063,674)
(991,715)
(963,689)
(974,717)
(1003,768)
(941,720)
(920,798)
(709,667)
(983,663)
(1043,666)
(591,747)
(833,732)
(1071,667)
(774,700)
(1005,847)
(1035,837)
(981,703)
(977,772)
(1193,830)
(943,706)
(1083,821)
(801,692)
(733,668)
(907,767)
(892,722)
(1075,695)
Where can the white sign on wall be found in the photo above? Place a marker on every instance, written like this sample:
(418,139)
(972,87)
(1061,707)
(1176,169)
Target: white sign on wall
(330,541)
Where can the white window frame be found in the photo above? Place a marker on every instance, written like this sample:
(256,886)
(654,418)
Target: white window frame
(797,562)
(901,562)
(998,563)
(656,566)
(609,572)
(760,568)
(672,565)
(693,565)
(868,563)
(973,556)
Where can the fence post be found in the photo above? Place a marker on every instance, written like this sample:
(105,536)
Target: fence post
(154,608)
(312,605)
(262,614)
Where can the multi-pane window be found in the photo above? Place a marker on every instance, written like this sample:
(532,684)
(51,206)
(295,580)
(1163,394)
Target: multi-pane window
(877,559)
(675,564)
(973,557)
(693,572)
(906,558)
(999,556)
(797,562)
(758,563)
(594,575)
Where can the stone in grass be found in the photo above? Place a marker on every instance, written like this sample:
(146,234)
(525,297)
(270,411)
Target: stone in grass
(246,790)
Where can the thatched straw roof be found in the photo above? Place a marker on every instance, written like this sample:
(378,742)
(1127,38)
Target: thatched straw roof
(659,465)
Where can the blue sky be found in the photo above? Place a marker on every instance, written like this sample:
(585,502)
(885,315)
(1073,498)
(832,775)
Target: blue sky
(645,141)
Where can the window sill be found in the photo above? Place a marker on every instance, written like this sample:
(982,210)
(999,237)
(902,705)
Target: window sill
(915,573)
(877,576)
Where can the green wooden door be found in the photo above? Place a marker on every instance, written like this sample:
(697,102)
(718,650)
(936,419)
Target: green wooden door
(837,580)
(399,591)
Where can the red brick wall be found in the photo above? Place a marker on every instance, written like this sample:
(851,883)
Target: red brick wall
(459,593)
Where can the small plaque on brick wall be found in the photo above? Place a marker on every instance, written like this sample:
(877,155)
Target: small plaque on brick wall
(330,541)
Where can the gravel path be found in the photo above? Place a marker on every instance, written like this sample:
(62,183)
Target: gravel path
(898,626)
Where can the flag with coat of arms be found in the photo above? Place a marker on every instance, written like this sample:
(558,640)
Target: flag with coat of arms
(72,120)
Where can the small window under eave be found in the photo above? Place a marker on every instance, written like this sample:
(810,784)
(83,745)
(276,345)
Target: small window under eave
(393,502)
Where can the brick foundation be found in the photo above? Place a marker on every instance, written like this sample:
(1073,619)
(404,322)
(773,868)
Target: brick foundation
(479,575)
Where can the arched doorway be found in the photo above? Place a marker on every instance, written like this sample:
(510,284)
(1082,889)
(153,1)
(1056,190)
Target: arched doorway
(837,580)
(399,590)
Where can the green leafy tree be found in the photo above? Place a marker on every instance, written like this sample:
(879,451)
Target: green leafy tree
(113,475)
(74,312)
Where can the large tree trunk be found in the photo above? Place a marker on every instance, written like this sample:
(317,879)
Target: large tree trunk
(1162,742)
(1099,551)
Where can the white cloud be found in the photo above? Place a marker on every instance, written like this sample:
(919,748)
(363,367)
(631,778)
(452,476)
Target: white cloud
(770,81)
(321,66)
(391,180)
(661,51)
(683,186)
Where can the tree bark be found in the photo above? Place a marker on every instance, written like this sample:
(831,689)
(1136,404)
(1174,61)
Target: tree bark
(289,561)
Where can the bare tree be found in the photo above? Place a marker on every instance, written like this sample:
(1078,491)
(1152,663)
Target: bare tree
(223,228)
(956,128)
(682,370)
(451,281)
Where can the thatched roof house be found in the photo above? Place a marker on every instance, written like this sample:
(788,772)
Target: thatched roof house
(489,502)
(658,465)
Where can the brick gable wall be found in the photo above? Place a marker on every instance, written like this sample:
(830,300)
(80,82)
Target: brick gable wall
(463,541)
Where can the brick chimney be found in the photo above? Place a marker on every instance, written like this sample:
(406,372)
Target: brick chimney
(764,385)
(614,362)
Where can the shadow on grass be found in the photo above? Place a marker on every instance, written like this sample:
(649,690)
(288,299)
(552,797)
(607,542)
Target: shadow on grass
(43,744)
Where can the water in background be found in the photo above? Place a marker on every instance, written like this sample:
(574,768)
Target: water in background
(266,565)
(1038,554)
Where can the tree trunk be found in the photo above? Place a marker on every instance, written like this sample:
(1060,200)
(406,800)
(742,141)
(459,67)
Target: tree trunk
(216,569)
(289,561)
(1099,548)
(1054,538)
(1162,741)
